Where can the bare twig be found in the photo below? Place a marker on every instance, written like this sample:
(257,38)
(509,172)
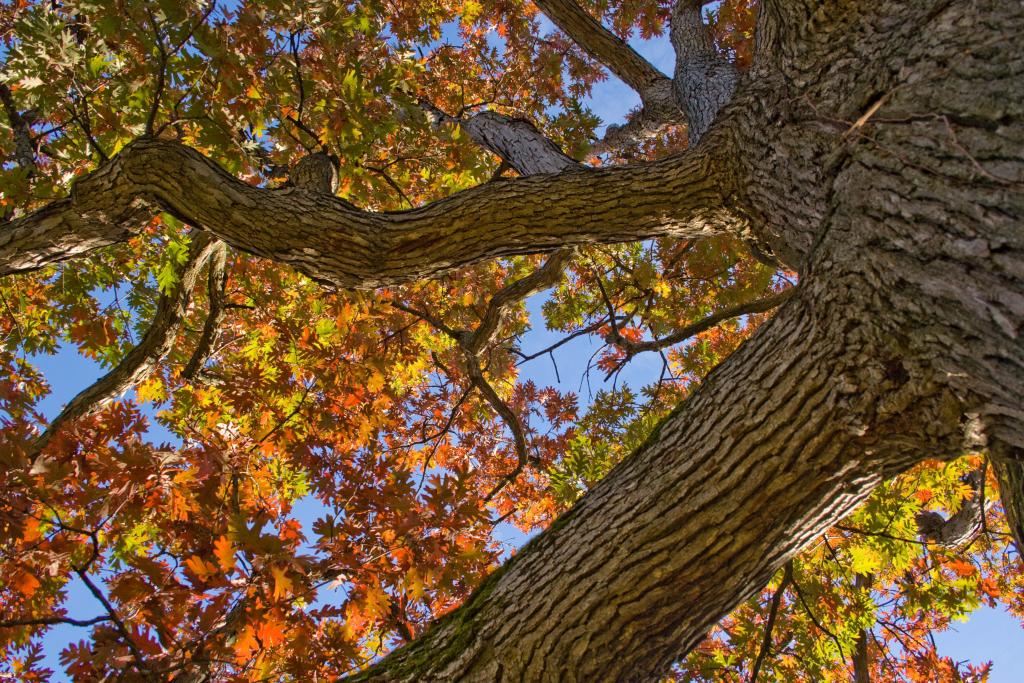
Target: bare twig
(773,611)
(52,621)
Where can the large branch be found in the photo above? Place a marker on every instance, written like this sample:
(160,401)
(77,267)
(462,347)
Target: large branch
(517,142)
(602,44)
(329,240)
(654,88)
(216,287)
(704,79)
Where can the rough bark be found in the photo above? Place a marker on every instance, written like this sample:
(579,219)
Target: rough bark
(24,148)
(874,146)
(704,79)
(895,178)
(331,241)
(517,142)
(861,662)
(659,104)
(216,286)
(602,44)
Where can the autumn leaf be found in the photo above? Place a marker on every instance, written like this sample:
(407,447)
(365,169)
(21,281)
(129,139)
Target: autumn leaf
(224,551)
(282,583)
(26,584)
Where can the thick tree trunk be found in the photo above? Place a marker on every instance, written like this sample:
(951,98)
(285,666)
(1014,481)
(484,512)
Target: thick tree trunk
(879,149)
(887,158)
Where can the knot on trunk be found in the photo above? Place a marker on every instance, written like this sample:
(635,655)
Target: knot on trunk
(317,172)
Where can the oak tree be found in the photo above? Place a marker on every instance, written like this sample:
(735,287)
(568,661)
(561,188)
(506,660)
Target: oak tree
(299,235)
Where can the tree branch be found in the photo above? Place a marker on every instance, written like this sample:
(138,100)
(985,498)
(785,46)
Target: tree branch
(511,295)
(140,361)
(1008,463)
(601,44)
(861,663)
(517,142)
(52,621)
(771,426)
(757,306)
(216,288)
(655,88)
(24,148)
(329,240)
(704,79)
(769,626)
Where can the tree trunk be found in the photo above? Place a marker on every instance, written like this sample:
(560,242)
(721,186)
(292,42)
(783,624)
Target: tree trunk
(876,147)
(886,158)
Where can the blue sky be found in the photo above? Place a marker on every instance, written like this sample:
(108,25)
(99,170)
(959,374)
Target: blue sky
(990,634)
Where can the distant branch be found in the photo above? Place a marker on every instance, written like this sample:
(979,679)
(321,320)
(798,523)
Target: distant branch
(24,149)
(52,621)
(773,611)
(632,348)
(140,361)
(216,286)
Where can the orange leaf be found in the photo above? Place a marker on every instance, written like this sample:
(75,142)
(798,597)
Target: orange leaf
(224,550)
(245,644)
(26,584)
(282,584)
(200,567)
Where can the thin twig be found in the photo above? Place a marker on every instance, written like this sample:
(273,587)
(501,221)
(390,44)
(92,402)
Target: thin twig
(773,611)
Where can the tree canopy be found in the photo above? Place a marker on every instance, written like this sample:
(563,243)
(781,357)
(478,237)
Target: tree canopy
(375,368)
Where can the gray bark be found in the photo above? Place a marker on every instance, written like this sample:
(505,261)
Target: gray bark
(659,105)
(704,79)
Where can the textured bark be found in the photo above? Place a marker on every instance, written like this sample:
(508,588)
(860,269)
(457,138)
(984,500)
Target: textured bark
(331,241)
(216,286)
(659,105)
(515,141)
(704,79)
(861,662)
(1009,468)
(601,44)
(895,179)
(24,149)
(876,147)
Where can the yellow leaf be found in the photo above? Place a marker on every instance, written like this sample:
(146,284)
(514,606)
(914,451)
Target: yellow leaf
(376,381)
(864,560)
(376,602)
(151,390)
(282,584)
(200,567)
(414,584)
